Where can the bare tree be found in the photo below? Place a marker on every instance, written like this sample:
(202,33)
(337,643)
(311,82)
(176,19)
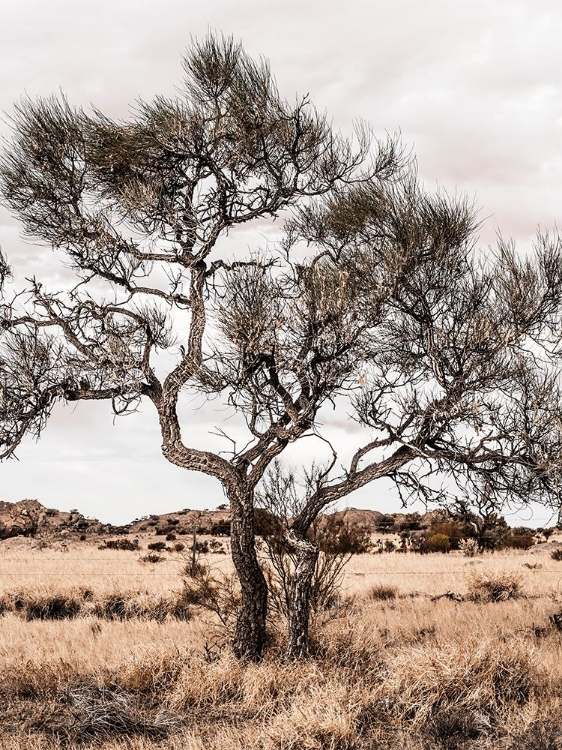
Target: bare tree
(142,210)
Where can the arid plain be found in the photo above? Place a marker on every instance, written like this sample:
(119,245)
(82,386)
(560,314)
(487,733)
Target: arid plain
(104,648)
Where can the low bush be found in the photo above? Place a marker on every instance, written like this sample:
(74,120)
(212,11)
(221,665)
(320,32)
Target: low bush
(152,557)
(494,587)
(556,554)
(518,541)
(469,547)
(382,592)
(436,543)
(157,546)
(131,545)
(39,606)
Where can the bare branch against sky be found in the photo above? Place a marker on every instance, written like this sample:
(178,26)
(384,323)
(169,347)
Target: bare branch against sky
(473,87)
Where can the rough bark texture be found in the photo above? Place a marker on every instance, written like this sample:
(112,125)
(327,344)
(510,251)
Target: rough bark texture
(306,553)
(249,638)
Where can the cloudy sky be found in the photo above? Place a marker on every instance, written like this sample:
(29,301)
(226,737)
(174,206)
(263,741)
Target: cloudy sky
(474,87)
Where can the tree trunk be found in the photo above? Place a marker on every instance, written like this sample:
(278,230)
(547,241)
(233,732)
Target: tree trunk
(306,555)
(249,638)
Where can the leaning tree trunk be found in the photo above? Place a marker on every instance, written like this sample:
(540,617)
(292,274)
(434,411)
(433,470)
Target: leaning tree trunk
(306,556)
(249,638)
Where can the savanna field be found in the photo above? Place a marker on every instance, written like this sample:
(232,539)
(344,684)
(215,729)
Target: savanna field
(106,649)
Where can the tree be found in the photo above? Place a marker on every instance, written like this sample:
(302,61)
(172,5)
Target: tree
(375,297)
(142,209)
(455,377)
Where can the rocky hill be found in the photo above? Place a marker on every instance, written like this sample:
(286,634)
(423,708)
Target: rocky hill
(29,518)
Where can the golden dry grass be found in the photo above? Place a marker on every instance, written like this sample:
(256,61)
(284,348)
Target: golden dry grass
(396,671)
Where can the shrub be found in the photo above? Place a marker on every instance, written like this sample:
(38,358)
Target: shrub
(202,547)
(494,587)
(170,537)
(518,541)
(221,528)
(453,530)
(157,546)
(123,544)
(382,592)
(48,607)
(152,557)
(469,547)
(556,554)
(436,543)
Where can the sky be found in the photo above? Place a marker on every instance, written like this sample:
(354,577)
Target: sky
(474,88)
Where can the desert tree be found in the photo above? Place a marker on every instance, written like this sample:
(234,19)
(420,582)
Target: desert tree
(144,213)
(453,378)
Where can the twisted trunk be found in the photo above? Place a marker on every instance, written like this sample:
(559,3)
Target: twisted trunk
(305,554)
(249,638)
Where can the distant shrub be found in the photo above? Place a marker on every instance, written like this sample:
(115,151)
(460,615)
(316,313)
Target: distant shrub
(469,547)
(179,547)
(202,547)
(494,587)
(436,543)
(132,545)
(556,554)
(221,528)
(518,541)
(152,557)
(157,546)
(170,537)
(173,521)
(382,592)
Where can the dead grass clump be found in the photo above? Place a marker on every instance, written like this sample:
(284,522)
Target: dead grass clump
(151,672)
(33,605)
(541,734)
(201,684)
(382,592)
(493,587)
(431,685)
(53,608)
(103,714)
(120,606)
(324,717)
(36,679)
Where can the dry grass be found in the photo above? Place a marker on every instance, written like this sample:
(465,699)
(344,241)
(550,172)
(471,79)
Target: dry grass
(98,657)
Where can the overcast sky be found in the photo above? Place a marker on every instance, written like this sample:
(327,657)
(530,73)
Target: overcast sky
(473,86)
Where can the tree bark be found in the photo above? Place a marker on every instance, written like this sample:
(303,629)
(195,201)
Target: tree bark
(306,554)
(250,634)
